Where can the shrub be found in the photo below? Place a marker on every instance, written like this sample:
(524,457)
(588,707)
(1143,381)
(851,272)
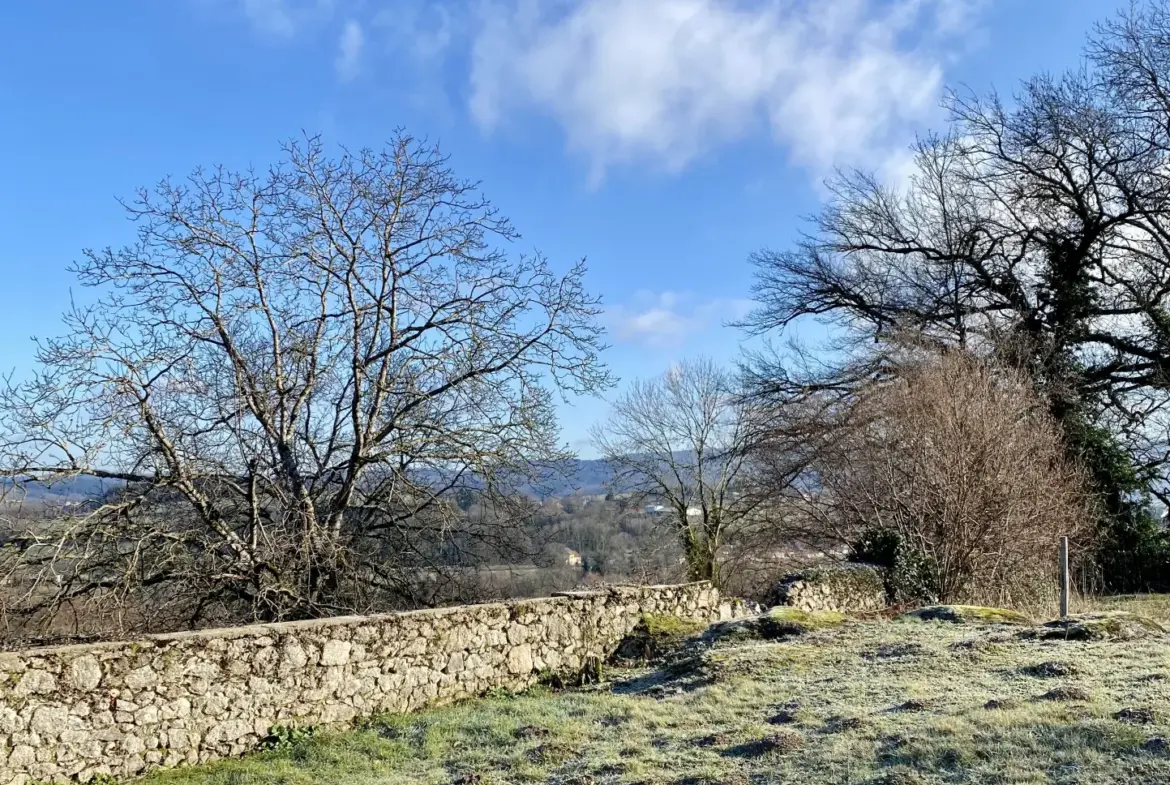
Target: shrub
(286,737)
(944,468)
(911,576)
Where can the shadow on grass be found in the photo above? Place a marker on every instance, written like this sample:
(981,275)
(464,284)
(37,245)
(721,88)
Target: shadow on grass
(682,676)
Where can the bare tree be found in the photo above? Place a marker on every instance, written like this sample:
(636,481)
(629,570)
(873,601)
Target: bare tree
(956,457)
(292,373)
(681,439)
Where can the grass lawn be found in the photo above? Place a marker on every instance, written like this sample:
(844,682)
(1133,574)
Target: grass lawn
(897,702)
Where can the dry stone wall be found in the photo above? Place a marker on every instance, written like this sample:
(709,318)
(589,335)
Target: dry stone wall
(845,588)
(120,708)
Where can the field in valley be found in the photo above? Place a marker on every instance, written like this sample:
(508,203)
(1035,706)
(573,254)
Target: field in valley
(896,702)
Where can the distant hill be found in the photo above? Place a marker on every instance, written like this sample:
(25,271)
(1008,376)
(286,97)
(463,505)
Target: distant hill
(578,476)
(78,488)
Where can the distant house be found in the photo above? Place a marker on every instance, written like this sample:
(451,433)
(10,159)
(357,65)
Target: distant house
(653,509)
(694,512)
(573,559)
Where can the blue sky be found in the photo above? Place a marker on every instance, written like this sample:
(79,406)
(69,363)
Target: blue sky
(664,140)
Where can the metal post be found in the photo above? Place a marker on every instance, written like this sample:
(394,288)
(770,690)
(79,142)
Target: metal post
(1063,577)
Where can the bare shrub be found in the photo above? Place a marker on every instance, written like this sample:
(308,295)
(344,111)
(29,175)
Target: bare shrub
(954,457)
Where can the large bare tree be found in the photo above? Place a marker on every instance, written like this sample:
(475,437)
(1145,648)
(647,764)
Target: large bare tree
(291,373)
(682,439)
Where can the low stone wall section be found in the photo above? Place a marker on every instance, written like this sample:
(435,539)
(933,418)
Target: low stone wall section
(118,709)
(845,588)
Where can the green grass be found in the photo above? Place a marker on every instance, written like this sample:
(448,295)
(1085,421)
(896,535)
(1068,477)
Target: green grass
(814,620)
(671,626)
(852,702)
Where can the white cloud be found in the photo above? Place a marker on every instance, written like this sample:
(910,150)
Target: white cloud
(838,82)
(349,51)
(667,319)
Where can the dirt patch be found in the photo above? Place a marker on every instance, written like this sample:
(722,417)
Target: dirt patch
(783,717)
(686,675)
(552,752)
(895,651)
(775,744)
(898,777)
(1137,716)
(842,724)
(1112,626)
(714,740)
(915,704)
(726,779)
(1067,693)
(1051,670)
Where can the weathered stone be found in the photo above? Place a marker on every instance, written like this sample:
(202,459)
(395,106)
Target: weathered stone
(35,682)
(10,721)
(177,740)
(22,757)
(133,745)
(87,775)
(227,732)
(141,678)
(520,660)
(85,673)
(49,720)
(335,653)
(147,715)
(215,705)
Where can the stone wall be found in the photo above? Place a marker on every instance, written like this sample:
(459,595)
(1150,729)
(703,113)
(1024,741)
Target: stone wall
(121,708)
(845,588)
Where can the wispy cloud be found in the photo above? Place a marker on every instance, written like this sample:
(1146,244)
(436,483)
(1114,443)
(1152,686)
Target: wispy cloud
(349,51)
(668,319)
(426,31)
(286,17)
(663,81)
